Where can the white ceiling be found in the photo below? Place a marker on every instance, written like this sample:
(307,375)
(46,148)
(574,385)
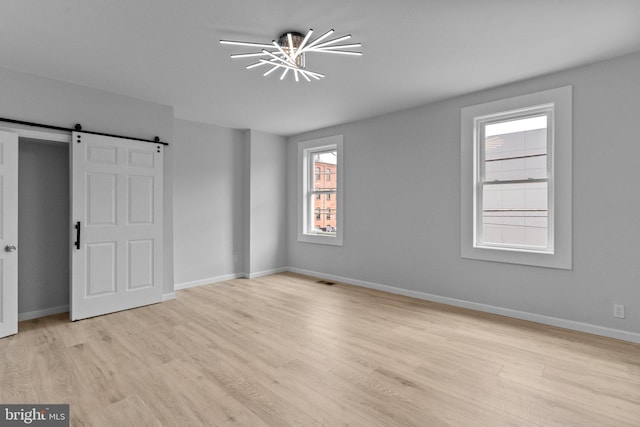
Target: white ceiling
(415,51)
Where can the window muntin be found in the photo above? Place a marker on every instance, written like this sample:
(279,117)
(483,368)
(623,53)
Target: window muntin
(514,207)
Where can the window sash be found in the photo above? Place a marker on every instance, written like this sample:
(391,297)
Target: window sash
(314,212)
(480,124)
(315,194)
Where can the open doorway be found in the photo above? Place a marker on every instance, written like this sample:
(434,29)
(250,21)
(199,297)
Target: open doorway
(43,228)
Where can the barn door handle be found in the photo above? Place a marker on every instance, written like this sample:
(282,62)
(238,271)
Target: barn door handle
(77,243)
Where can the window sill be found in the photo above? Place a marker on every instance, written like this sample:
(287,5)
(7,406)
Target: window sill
(515,249)
(560,260)
(321,239)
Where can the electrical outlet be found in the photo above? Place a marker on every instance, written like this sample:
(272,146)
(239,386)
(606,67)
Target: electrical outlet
(618,311)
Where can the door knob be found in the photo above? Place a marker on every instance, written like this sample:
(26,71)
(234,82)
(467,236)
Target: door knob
(10,248)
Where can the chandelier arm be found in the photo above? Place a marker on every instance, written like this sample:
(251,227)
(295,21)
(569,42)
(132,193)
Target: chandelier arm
(281,65)
(254,65)
(341,52)
(244,43)
(313,74)
(290,40)
(340,46)
(278,58)
(330,42)
(284,53)
(319,39)
(257,64)
(284,73)
(278,64)
(247,55)
(286,65)
(295,74)
(302,45)
(275,67)
(317,77)
(303,74)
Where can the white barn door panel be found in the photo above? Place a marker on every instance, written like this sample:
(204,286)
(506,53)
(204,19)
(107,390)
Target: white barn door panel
(8,233)
(116,198)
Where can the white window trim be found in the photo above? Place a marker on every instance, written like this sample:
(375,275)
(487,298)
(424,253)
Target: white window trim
(304,174)
(561,174)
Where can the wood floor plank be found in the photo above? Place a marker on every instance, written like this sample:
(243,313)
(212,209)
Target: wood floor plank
(284,350)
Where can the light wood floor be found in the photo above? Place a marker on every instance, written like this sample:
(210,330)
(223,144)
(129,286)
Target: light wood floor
(283,350)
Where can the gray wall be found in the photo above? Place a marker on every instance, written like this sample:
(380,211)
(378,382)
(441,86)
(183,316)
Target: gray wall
(230,203)
(43,225)
(36,99)
(207,187)
(267,203)
(402,205)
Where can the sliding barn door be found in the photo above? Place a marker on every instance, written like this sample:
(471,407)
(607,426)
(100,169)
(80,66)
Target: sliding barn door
(117,224)
(8,233)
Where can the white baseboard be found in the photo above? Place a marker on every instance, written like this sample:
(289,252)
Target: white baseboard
(169,296)
(523,315)
(185,285)
(42,313)
(267,272)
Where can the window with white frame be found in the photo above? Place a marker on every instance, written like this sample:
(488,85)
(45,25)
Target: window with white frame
(514,207)
(321,218)
(516,180)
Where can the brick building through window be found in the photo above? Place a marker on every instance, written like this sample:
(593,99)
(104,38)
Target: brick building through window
(325,206)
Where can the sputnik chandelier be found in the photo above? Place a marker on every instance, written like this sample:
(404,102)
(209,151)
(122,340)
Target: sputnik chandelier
(287,54)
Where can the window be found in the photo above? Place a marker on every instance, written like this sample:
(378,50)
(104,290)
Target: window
(514,175)
(320,218)
(516,180)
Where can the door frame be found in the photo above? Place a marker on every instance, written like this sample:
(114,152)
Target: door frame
(45,135)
